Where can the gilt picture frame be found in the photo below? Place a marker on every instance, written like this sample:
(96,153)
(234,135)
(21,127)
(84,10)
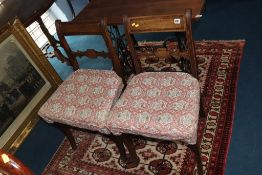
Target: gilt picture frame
(27,79)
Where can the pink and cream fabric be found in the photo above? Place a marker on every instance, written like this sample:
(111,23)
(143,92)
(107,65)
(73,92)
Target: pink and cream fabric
(84,100)
(163,105)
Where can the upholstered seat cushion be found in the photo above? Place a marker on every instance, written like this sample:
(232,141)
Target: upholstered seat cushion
(163,105)
(84,99)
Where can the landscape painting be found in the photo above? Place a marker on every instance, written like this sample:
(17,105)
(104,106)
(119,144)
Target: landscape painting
(27,79)
(19,82)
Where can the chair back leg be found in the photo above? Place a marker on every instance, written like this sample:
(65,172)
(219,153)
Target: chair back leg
(120,145)
(133,160)
(202,110)
(195,149)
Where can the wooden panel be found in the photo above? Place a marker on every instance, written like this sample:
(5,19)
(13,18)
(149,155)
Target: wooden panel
(78,28)
(157,24)
(115,10)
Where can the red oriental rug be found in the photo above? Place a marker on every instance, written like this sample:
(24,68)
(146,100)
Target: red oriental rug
(219,63)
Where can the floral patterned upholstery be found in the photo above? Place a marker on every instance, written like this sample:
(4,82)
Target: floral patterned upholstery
(84,100)
(163,105)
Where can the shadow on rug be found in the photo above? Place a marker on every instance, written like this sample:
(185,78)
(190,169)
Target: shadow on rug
(219,63)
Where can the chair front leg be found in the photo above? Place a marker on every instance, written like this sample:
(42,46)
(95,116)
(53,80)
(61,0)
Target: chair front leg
(133,159)
(67,132)
(120,145)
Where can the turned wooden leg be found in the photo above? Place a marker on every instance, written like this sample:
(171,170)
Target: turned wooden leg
(67,132)
(120,145)
(196,151)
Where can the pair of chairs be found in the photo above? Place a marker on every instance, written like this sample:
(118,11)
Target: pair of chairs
(161,105)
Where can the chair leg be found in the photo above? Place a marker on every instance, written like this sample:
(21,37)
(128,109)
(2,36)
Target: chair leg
(202,111)
(195,149)
(67,132)
(120,145)
(133,159)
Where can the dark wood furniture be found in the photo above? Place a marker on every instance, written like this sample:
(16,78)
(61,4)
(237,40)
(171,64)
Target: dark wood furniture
(177,23)
(12,166)
(183,32)
(65,29)
(115,10)
(81,28)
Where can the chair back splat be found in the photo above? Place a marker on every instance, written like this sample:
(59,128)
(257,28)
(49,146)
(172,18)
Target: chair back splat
(78,28)
(180,24)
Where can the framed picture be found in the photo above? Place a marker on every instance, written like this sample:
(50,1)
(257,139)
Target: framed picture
(26,81)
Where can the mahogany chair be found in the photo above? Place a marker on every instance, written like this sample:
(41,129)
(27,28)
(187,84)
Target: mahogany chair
(176,53)
(85,98)
(160,105)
